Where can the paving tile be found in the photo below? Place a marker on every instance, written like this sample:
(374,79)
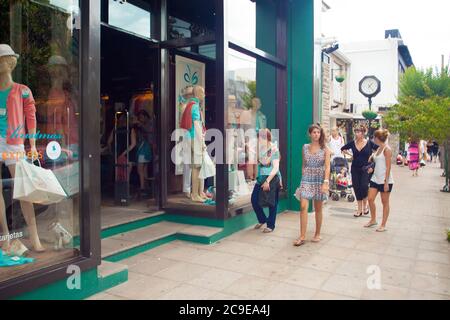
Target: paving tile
(322,263)
(186,292)
(309,278)
(434,256)
(324,295)
(285,291)
(344,285)
(423,295)
(442,246)
(182,272)
(432,269)
(150,265)
(271,271)
(431,284)
(334,251)
(216,279)
(397,278)
(386,293)
(397,263)
(251,287)
(364,257)
(353,269)
(105,296)
(402,252)
(140,287)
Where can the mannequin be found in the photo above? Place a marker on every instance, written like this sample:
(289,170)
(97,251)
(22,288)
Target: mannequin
(258,122)
(21,109)
(186,96)
(192,121)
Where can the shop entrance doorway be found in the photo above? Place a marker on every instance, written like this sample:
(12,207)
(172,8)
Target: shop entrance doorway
(129,127)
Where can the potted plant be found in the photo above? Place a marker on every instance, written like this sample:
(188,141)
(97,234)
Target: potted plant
(369,114)
(340,79)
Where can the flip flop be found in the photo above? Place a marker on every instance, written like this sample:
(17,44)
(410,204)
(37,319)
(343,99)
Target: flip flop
(367,212)
(298,243)
(316,240)
(381,229)
(267,230)
(258,226)
(370,225)
(358,215)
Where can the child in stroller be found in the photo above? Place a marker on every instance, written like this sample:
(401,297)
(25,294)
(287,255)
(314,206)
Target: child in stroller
(341,186)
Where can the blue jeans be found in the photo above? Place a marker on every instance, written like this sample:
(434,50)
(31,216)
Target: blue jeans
(260,211)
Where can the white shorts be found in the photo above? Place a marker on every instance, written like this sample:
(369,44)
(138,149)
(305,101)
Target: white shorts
(10,154)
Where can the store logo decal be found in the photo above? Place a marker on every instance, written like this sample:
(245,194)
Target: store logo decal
(53,150)
(189,77)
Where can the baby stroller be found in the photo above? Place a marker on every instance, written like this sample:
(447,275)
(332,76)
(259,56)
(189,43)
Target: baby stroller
(341,182)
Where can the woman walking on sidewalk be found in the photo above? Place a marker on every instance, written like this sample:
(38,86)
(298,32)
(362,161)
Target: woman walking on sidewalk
(362,149)
(414,153)
(315,181)
(382,180)
(268,180)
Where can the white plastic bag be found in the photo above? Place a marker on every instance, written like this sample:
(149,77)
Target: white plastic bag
(208,168)
(69,178)
(36,185)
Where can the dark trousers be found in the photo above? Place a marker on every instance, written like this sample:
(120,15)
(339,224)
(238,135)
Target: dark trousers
(260,211)
(360,182)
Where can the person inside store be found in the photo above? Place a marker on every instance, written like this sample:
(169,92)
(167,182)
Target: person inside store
(382,181)
(315,181)
(124,137)
(361,150)
(144,132)
(268,180)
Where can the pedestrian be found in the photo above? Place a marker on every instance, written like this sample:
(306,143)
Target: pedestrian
(335,143)
(430,151)
(414,156)
(435,151)
(382,180)
(362,149)
(268,179)
(315,181)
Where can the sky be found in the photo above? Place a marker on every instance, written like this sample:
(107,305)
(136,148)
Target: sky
(423,24)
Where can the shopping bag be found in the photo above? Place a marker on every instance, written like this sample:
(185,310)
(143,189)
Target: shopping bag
(36,185)
(69,178)
(208,168)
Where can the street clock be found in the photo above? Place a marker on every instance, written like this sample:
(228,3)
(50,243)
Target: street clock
(370,86)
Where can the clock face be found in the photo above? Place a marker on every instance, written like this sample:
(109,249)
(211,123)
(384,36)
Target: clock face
(370,86)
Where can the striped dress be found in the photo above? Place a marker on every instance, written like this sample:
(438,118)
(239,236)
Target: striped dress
(413,151)
(313,176)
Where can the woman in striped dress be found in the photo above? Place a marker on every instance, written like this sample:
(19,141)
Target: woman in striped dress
(315,181)
(414,157)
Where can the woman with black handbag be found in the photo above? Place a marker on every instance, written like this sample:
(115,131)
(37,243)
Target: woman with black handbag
(268,185)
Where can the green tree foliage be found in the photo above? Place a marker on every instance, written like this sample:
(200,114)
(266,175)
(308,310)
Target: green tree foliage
(247,97)
(423,111)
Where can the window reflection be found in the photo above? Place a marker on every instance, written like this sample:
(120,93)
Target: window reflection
(251,108)
(39,207)
(130,17)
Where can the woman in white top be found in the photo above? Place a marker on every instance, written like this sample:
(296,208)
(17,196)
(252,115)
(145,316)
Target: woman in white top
(382,180)
(335,143)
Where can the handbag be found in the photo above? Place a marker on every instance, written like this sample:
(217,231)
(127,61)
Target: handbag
(208,168)
(268,198)
(36,185)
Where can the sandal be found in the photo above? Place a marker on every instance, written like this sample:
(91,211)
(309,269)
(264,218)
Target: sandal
(267,230)
(299,242)
(316,240)
(381,229)
(258,226)
(370,224)
(358,214)
(367,212)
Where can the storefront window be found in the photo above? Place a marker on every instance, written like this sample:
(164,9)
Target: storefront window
(251,107)
(39,134)
(253,23)
(130,17)
(190,19)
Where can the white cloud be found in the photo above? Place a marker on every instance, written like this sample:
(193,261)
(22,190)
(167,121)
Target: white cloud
(424,25)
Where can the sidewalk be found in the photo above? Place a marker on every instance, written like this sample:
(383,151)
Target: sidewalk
(413,255)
